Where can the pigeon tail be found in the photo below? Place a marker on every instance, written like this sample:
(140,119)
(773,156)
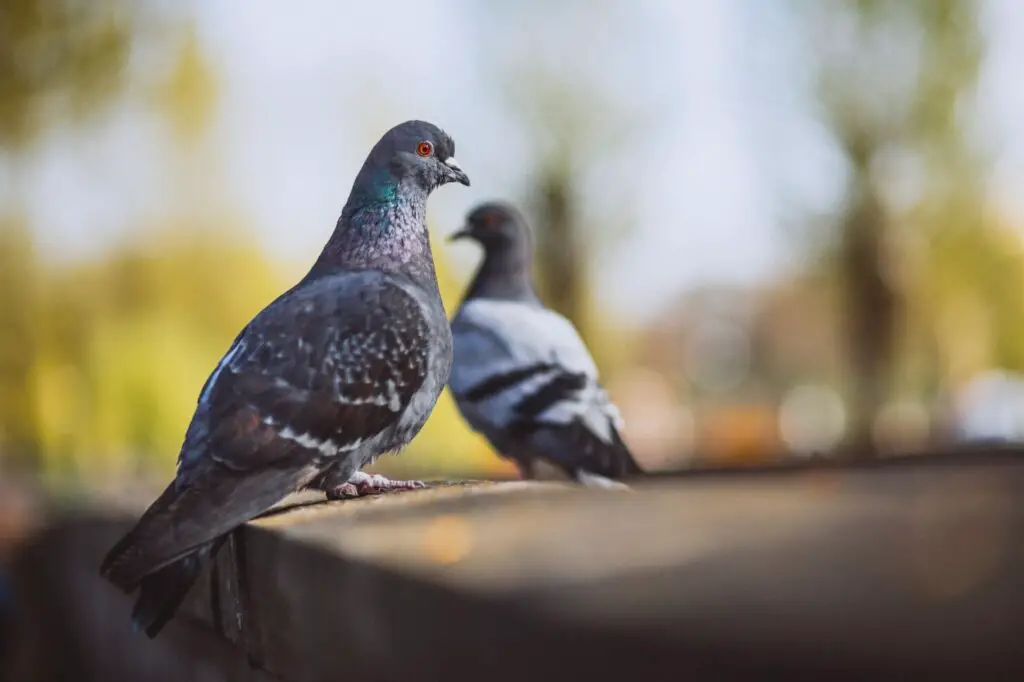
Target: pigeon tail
(583,454)
(161,592)
(626,462)
(207,507)
(122,565)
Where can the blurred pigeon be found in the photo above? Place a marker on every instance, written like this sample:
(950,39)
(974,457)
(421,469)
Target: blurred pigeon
(521,375)
(342,367)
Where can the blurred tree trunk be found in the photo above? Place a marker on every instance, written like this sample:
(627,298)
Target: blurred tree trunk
(560,258)
(60,62)
(870,304)
(893,78)
(578,121)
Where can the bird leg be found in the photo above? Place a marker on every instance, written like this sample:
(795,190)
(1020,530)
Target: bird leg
(526,469)
(361,484)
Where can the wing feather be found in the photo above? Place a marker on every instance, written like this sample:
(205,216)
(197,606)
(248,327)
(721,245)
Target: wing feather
(323,370)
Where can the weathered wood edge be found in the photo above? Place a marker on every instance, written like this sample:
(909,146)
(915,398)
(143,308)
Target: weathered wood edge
(799,577)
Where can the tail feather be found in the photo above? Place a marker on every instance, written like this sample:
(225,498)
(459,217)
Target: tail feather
(580,449)
(627,463)
(161,592)
(187,517)
(125,564)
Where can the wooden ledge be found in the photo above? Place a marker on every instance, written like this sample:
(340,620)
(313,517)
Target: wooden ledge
(870,573)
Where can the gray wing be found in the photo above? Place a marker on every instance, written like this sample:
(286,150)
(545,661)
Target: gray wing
(518,364)
(319,373)
(323,370)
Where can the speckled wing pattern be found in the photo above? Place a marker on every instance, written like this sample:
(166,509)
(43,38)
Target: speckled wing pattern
(317,375)
(323,373)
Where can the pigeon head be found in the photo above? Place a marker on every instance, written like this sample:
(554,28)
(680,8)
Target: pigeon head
(496,226)
(413,153)
(503,233)
(383,224)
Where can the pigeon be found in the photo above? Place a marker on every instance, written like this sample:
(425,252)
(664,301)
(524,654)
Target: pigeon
(521,375)
(341,368)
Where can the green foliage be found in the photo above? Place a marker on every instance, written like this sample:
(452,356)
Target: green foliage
(58,59)
(19,339)
(122,345)
(896,81)
(101,361)
(188,94)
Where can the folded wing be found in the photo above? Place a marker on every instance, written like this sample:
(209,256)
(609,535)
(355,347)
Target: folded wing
(321,373)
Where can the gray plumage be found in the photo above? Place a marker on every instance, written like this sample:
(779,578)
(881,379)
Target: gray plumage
(522,376)
(344,366)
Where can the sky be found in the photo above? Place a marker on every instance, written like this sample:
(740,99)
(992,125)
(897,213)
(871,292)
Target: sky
(725,146)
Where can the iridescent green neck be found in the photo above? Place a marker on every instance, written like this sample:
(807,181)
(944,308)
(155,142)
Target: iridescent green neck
(375,187)
(383,226)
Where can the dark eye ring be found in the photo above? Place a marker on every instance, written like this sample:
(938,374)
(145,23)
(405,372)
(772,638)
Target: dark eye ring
(425,148)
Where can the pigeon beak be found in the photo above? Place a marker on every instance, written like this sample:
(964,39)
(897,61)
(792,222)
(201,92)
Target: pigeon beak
(455,173)
(460,234)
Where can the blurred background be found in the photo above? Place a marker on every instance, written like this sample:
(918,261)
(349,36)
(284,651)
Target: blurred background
(787,228)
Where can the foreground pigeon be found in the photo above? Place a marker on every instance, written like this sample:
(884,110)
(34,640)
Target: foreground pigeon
(344,366)
(521,374)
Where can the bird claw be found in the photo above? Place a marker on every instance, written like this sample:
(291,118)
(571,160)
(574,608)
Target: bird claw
(345,491)
(371,484)
(361,484)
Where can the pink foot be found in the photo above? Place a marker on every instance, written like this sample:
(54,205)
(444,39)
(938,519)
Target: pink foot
(344,491)
(361,484)
(372,484)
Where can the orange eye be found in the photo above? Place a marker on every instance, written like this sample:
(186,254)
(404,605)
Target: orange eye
(425,148)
